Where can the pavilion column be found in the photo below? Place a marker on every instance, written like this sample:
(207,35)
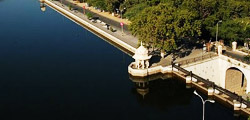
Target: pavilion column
(142,63)
(141,57)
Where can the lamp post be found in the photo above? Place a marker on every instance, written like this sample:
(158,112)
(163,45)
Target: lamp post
(122,11)
(122,24)
(217,27)
(84,9)
(117,11)
(203,102)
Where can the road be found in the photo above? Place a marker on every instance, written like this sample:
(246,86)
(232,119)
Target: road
(113,23)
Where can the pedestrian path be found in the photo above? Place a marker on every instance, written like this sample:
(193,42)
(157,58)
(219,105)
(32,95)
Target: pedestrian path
(240,56)
(106,14)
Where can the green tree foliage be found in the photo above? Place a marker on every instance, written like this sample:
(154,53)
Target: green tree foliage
(191,18)
(162,26)
(230,30)
(111,5)
(229,11)
(132,12)
(187,18)
(98,3)
(89,15)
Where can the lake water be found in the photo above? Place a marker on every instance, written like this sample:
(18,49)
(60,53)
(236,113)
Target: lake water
(54,69)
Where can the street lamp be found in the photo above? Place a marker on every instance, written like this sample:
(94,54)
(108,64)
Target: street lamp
(203,102)
(122,11)
(217,29)
(117,11)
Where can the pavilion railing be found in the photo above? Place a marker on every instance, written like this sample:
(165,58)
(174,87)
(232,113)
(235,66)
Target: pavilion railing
(196,59)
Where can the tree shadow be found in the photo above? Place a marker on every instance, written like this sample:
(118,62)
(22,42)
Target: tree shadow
(155,59)
(186,46)
(184,53)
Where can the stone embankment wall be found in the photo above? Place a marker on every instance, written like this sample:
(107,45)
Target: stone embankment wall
(90,26)
(215,69)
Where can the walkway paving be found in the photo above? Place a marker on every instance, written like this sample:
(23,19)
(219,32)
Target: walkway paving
(194,54)
(236,55)
(105,14)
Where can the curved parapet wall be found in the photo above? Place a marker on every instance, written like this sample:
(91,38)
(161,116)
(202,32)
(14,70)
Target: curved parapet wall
(215,69)
(90,26)
(148,71)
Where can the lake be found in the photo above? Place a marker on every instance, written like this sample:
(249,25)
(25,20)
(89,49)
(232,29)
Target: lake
(53,69)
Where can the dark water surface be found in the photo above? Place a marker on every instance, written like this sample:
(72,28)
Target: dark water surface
(53,69)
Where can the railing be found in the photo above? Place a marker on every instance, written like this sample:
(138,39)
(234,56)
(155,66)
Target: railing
(196,59)
(212,84)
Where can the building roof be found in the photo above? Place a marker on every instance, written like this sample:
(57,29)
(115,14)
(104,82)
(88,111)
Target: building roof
(141,53)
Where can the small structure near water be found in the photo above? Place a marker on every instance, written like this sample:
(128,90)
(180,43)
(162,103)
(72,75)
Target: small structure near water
(42,6)
(140,67)
(141,58)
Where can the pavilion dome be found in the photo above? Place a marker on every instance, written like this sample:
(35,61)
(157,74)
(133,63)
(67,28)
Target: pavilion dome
(142,92)
(141,53)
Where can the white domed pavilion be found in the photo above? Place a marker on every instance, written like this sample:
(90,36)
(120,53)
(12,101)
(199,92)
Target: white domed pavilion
(141,57)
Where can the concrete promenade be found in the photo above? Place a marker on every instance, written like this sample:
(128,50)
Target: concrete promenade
(96,11)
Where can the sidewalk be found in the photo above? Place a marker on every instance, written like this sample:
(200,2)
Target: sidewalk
(105,14)
(236,55)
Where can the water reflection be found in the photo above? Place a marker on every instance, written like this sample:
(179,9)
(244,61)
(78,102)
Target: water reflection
(42,6)
(167,92)
(161,91)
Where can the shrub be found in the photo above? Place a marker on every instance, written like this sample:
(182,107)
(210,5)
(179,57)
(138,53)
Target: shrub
(70,7)
(247,58)
(112,29)
(89,15)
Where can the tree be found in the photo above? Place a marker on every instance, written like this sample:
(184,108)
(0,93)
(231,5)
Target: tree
(111,5)
(100,4)
(183,19)
(162,26)
(132,12)
(231,12)
(230,30)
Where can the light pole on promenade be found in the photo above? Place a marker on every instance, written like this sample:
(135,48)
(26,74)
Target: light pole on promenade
(217,27)
(122,11)
(203,102)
